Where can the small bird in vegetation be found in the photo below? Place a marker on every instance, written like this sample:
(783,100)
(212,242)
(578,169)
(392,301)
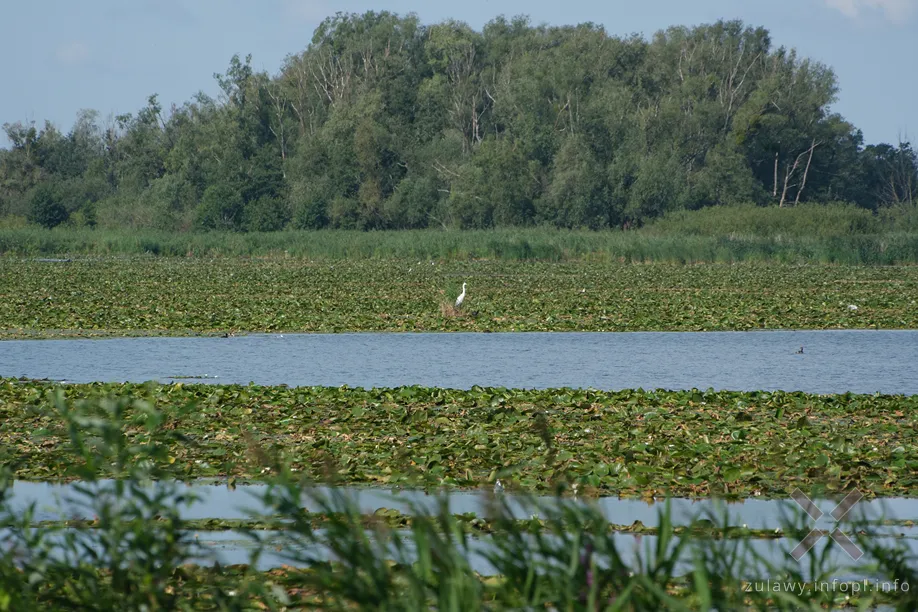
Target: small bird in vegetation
(852,307)
(461,297)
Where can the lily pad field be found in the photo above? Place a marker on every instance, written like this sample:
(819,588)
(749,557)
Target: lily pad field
(627,444)
(177,296)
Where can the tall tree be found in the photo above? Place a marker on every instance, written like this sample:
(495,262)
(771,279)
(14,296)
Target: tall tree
(382,122)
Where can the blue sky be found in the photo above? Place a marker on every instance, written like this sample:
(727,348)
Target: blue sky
(61,56)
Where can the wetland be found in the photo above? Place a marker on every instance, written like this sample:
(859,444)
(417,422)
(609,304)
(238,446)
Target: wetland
(656,447)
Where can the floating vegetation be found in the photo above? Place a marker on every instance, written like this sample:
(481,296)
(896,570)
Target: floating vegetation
(627,443)
(394,519)
(169,296)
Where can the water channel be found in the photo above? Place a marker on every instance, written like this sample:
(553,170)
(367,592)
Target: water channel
(831,362)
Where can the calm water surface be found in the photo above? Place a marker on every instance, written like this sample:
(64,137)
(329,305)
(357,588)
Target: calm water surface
(227,547)
(54,501)
(831,362)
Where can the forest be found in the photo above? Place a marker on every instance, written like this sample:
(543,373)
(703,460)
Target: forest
(385,123)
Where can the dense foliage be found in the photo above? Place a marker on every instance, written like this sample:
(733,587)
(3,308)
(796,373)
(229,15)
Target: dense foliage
(382,122)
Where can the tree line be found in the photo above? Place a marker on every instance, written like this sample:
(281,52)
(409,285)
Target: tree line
(382,122)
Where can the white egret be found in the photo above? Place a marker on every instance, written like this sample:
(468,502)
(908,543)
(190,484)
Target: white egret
(461,297)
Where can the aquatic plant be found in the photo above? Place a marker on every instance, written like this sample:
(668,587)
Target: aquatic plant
(631,443)
(168,296)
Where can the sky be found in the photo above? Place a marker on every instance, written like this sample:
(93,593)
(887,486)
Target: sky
(110,55)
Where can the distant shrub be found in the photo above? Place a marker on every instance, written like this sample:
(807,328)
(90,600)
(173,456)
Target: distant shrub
(835,219)
(46,208)
(266,214)
(221,208)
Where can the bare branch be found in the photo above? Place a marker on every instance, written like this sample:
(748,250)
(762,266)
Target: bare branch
(774,192)
(806,171)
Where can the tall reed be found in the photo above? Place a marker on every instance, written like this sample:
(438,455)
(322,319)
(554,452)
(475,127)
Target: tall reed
(651,244)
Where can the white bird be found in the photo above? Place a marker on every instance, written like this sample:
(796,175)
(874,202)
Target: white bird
(852,307)
(461,297)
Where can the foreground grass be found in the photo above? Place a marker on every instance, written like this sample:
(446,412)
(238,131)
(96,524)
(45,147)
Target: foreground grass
(242,587)
(628,443)
(160,296)
(138,552)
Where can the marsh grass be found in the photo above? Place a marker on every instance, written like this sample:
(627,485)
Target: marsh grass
(805,220)
(449,311)
(130,561)
(823,233)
